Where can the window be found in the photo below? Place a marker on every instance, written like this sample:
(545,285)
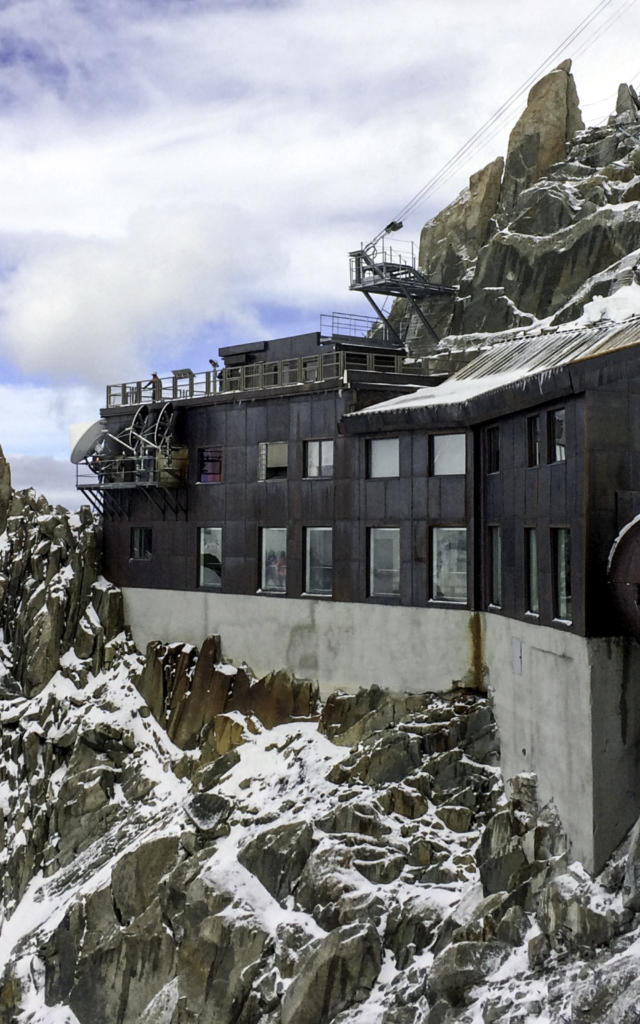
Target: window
(319,561)
(493,449)
(448,454)
(533,441)
(532,600)
(274,560)
(384,457)
(449,564)
(210,465)
(384,562)
(561,551)
(140,542)
(557,436)
(273,459)
(210,557)
(318,458)
(495,566)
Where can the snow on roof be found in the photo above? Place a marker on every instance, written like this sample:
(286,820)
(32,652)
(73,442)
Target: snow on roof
(509,361)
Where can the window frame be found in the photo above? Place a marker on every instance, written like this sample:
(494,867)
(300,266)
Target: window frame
(531,572)
(493,449)
(434,457)
(374,571)
(202,585)
(321,442)
(201,458)
(140,550)
(267,472)
(372,442)
(443,598)
(308,588)
(534,441)
(277,577)
(561,567)
(494,565)
(556,441)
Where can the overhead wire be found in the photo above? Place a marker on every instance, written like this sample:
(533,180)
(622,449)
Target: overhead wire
(493,125)
(504,108)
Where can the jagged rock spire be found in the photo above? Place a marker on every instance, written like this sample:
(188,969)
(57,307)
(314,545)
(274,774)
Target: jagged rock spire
(539,137)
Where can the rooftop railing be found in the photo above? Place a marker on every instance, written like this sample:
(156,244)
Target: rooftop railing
(185,384)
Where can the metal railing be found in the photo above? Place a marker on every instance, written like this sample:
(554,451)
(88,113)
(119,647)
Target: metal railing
(255,376)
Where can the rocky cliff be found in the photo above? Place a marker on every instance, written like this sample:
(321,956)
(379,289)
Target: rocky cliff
(182,842)
(540,233)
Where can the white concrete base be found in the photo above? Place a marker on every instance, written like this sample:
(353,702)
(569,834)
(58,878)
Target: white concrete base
(343,646)
(567,708)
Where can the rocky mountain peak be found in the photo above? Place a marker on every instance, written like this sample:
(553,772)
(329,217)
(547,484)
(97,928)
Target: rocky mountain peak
(539,137)
(538,236)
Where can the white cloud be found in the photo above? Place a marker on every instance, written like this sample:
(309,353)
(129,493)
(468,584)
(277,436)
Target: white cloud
(55,478)
(35,419)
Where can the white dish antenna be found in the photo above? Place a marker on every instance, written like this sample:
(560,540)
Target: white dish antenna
(84,437)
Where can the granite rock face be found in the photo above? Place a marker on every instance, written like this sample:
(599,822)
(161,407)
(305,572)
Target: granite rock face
(561,225)
(538,139)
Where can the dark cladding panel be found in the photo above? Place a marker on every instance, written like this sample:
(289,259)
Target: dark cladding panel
(374,500)
(419,496)
(316,504)
(452,500)
(277,420)
(397,506)
(256,423)
(234,467)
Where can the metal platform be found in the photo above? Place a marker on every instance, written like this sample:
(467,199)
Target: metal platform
(381,269)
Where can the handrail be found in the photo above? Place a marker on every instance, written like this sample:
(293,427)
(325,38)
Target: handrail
(255,376)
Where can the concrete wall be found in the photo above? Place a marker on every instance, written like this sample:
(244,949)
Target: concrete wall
(540,680)
(342,645)
(615,697)
(567,708)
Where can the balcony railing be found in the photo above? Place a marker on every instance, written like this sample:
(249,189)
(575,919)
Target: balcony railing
(185,384)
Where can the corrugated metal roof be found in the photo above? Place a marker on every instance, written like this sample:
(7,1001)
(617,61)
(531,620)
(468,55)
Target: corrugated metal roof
(507,362)
(546,351)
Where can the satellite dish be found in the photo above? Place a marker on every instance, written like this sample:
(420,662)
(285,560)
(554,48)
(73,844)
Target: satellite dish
(84,437)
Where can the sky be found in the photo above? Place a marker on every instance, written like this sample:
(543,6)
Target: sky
(177,175)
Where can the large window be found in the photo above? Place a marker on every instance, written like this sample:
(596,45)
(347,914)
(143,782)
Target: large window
(210,557)
(448,454)
(561,551)
(556,427)
(533,441)
(140,542)
(274,560)
(384,457)
(532,599)
(318,458)
(210,465)
(319,561)
(273,460)
(449,564)
(384,562)
(495,566)
(492,439)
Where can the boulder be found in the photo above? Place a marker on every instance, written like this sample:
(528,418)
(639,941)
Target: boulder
(461,966)
(566,918)
(209,812)
(135,877)
(277,856)
(338,973)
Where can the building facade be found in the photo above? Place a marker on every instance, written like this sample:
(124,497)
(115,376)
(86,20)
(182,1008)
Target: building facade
(357,524)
